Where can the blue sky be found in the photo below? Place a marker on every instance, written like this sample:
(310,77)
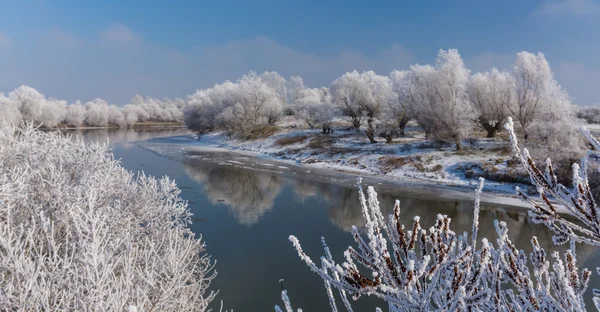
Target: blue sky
(115,49)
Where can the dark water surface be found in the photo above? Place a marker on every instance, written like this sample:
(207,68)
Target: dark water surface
(245,208)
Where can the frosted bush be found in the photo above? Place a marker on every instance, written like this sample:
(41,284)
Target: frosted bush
(80,233)
(439,270)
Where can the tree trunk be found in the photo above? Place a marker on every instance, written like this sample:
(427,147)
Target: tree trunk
(491,132)
(272,121)
(402,126)
(388,138)
(458,143)
(356,124)
(370,132)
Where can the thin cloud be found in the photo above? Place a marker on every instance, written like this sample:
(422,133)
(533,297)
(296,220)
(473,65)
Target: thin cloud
(569,7)
(119,33)
(4,40)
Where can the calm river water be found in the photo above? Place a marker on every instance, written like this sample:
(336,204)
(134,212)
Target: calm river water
(246,207)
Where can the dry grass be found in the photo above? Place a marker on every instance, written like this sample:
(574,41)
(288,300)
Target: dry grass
(290,140)
(262,132)
(389,163)
(321,142)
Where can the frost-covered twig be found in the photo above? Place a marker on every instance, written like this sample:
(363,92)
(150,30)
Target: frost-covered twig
(578,201)
(439,270)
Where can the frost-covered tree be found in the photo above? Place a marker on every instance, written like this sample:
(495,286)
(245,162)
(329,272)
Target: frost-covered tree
(438,99)
(362,94)
(80,233)
(294,85)
(343,93)
(539,98)
(400,109)
(491,94)
(96,114)
(75,115)
(314,107)
(10,109)
(591,114)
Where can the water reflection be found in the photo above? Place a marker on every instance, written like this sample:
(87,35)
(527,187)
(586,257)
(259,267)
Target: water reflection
(116,136)
(250,194)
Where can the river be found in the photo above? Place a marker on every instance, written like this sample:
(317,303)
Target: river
(246,207)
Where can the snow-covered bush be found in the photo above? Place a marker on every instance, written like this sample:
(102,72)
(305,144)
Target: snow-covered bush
(491,94)
(80,233)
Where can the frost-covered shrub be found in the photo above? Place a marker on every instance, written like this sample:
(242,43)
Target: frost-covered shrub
(438,270)
(80,233)
(435,269)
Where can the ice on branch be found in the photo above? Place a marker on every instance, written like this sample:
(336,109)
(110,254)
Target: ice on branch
(436,269)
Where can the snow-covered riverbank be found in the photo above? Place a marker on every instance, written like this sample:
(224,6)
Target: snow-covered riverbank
(407,161)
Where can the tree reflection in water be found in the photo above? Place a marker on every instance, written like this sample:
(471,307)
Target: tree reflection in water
(250,194)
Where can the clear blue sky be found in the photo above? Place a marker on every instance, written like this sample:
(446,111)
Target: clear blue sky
(115,49)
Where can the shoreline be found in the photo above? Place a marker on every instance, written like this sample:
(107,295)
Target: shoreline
(413,186)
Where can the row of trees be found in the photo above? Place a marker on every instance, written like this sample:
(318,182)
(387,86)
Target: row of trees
(27,104)
(445,99)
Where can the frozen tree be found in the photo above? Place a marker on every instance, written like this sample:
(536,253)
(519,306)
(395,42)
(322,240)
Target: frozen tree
(491,94)
(294,85)
(357,94)
(314,107)
(29,101)
(454,112)
(438,99)
(538,97)
(200,113)
(422,99)
(399,110)
(35,107)
(10,109)
(591,114)
(435,269)
(343,92)
(80,233)
(75,115)
(96,114)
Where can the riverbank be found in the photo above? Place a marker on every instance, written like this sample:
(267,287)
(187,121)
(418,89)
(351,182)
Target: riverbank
(408,157)
(294,152)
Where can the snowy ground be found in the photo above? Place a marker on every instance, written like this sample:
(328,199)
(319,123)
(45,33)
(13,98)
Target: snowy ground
(411,158)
